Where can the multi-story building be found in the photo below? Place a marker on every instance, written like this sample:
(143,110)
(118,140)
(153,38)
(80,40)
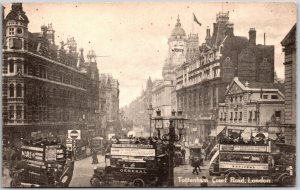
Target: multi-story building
(289,44)
(137,111)
(164,90)
(251,106)
(201,81)
(109,104)
(46,88)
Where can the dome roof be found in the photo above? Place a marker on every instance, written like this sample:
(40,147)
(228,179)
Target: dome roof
(17,13)
(178,30)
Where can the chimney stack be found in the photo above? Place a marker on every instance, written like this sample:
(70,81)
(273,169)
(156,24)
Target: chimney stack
(208,37)
(252,36)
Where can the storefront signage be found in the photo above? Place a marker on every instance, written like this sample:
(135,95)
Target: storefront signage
(132,151)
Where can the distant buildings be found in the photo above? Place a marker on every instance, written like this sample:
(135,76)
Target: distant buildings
(136,112)
(289,44)
(109,105)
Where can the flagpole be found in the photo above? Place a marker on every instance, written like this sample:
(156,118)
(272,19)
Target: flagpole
(193,25)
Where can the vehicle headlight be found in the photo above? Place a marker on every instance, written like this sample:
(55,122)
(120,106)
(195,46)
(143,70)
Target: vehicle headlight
(95,168)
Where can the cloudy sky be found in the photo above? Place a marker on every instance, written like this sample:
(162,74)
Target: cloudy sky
(134,36)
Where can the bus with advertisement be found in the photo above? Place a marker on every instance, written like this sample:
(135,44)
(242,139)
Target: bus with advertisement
(264,161)
(43,164)
(135,163)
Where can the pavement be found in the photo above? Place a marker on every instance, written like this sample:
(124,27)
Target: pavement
(84,170)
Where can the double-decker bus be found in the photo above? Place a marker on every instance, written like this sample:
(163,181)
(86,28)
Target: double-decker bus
(136,163)
(235,161)
(43,164)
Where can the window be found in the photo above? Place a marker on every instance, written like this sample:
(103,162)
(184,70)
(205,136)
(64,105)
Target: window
(25,69)
(277,115)
(11,112)
(221,116)
(231,99)
(265,96)
(54,92)
(15,43)
(19,30)
(231,115)
(241,98)
(11,66)
(11,90)
(19,90)
(274,97)
(241,116)
(235,118)
(19,112)
(11,31)
(25,90)
(235,99)
(25,112)
(255,115)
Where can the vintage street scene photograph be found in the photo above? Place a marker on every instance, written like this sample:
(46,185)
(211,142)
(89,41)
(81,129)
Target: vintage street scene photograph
(148,94)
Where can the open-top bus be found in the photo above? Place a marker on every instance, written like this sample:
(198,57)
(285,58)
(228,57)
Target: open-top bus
(246,160)
(132,162)
(43,164)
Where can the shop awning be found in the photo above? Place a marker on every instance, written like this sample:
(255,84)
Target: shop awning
(216,132)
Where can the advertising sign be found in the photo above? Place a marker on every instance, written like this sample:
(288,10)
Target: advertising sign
(132,151)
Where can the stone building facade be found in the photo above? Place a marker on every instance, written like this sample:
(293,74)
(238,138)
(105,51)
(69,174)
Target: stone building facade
(251,107)
(289,44)
(201,81)
(46,88)
(164,90)
(109,105)
(136,112)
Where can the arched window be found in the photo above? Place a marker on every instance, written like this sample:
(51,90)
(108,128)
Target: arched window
(11,66)
(11,90)
(19,90)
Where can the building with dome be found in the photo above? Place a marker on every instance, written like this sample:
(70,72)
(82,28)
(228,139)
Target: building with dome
(47,89)
(163,91)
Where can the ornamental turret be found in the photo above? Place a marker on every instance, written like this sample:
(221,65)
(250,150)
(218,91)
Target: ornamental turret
(16,33)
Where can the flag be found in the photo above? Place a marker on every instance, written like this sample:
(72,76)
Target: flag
(196,20)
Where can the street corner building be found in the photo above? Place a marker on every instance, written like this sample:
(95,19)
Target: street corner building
(219,114)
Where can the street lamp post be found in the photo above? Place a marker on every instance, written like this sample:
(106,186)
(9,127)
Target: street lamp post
(150,112)
(170,138)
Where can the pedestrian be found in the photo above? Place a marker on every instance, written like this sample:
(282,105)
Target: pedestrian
(183,154)
(94,157)
(195,165)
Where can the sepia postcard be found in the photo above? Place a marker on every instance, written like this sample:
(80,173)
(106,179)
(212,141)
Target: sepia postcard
(149,94)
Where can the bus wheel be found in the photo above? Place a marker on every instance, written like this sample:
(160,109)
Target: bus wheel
(232,174)
(14,183)
(286,181)
(138,182)
(95,182)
